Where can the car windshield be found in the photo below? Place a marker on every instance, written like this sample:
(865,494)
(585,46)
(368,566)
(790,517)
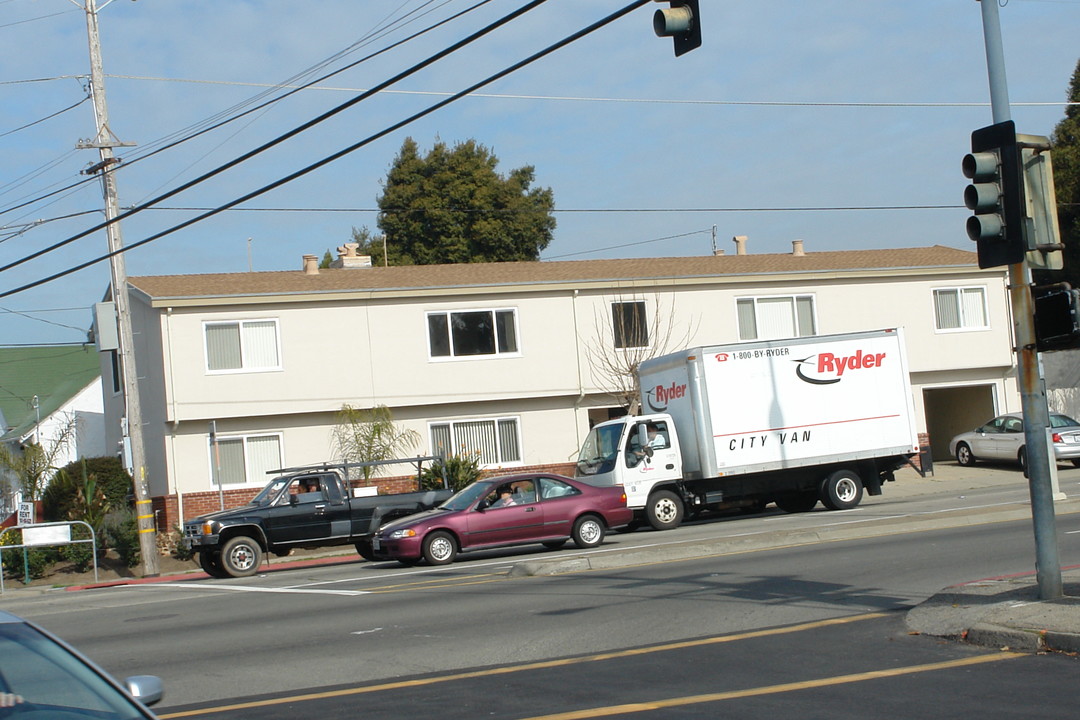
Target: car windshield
(467,497)
(271,491)
(52,682)
(1060,421)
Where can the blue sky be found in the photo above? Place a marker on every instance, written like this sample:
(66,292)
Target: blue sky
(787,106)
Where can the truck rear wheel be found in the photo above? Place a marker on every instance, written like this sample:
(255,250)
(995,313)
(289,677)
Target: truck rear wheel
(798,502)
(664,510)
(841,490)
(241,556)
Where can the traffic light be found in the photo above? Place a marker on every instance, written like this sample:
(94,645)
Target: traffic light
(996,195)
(681,23)
(1057,318)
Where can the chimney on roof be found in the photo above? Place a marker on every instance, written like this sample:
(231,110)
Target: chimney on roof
(797,248)
(347,257)
(740,244)
(311,265)
(718,251)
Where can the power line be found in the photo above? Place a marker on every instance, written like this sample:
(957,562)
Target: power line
(290,134)
(573,37)
(192,133)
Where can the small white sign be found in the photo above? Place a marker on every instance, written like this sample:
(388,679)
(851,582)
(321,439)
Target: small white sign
(46,535)
(26,513)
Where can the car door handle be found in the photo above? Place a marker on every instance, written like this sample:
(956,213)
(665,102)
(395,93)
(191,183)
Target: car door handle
(320,509)
(530,509)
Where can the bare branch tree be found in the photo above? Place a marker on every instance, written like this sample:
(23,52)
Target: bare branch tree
(34,463)
(628,330)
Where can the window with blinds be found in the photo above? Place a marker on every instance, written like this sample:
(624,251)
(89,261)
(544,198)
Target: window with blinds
(245,459)
(960,308)
(496,441)
(242,345)
(776,317)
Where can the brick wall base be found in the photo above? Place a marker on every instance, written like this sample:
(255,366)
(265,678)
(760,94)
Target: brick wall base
(167,508)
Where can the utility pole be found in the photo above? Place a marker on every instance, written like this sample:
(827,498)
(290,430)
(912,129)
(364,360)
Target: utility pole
(1032,393)
(104,141)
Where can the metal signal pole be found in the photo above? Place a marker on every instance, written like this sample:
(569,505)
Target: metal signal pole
(104,141)
(1032,394)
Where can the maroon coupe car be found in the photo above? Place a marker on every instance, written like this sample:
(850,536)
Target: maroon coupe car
(502,511)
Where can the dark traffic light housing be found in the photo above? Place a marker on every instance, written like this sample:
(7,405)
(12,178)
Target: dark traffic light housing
(681,23)
(1057,318)
(996,195)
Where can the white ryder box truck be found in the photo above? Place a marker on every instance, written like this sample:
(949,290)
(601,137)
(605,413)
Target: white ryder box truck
(739,426)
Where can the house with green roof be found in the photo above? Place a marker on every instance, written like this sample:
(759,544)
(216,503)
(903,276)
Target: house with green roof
(43,389)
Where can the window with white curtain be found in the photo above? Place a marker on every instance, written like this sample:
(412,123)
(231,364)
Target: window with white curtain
(496,441)
(775,317)
(242,345)
(960,308)
(245,459)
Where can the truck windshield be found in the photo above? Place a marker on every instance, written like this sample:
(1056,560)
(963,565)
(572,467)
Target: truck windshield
(271,491)
(600,449)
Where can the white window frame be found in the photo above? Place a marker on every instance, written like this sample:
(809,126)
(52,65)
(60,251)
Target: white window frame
(794,298)
(249,481)
(644,321)
(456,446)
(964,325)
(452,357)
(245,361)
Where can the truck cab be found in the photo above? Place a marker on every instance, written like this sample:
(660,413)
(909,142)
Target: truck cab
(641,453)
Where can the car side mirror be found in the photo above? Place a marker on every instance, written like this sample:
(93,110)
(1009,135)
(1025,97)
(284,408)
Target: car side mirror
(147,689)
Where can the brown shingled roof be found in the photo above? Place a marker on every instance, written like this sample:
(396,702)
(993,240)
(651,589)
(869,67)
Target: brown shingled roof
(413,277)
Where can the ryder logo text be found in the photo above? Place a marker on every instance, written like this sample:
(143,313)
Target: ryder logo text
(659,397)
(828,368)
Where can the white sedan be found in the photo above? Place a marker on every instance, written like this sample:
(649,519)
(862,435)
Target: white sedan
(1003,439)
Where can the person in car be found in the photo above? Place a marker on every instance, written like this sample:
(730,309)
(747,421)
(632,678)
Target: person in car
(506,499)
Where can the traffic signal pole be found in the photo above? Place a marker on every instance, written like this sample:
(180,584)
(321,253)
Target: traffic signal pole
(1032,391)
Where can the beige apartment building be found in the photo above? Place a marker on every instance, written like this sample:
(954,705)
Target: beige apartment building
(503,358)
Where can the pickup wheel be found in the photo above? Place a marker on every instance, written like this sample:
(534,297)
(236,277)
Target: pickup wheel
(664,510)
(365,550)
(841,490)
(440,548)
(588,531)
(798,502)
(210,562)
(241,556)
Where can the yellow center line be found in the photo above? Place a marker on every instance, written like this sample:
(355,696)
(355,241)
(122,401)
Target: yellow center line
(541,665)
(629,708)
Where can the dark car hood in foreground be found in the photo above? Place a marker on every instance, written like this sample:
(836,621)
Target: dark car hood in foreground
(414,519)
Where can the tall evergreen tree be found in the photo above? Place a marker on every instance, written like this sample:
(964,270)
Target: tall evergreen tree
(1066,156)
(451,206)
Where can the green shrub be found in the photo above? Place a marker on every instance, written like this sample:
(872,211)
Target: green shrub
(121,530)
(65,498)
(459,470)
(80,555)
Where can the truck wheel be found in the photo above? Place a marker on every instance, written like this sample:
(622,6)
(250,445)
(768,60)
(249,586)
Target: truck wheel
(210,562)
(797,502)
(841,490)
(365,550)
(665,510)
(964,456)
(241,556)
(588,531)
(439,548)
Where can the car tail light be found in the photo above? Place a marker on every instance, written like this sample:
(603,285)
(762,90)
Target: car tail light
(1056,437)
(624,498)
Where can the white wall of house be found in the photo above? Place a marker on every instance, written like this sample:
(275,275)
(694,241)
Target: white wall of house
(367,349)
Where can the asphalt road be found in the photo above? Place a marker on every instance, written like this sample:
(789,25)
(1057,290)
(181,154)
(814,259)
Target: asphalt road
(383,640)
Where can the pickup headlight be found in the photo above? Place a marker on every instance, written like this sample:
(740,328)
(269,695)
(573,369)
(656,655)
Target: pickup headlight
(403,533)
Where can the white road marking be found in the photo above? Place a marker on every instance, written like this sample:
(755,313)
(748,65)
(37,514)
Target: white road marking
(245,588)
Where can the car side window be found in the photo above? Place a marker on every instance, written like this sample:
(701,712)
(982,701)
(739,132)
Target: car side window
(1013,425)
(552,488)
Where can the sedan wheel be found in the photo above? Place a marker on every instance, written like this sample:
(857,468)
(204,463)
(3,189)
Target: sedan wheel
(588,531)
(439,548)
(964,456)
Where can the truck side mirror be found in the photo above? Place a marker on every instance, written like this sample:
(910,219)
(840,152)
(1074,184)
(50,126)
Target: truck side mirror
(648,449)
(294,499)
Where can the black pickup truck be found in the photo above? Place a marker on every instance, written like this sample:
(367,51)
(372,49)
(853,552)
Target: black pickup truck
(303,508)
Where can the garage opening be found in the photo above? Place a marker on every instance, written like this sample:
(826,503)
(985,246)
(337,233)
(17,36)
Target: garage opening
(953,410)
